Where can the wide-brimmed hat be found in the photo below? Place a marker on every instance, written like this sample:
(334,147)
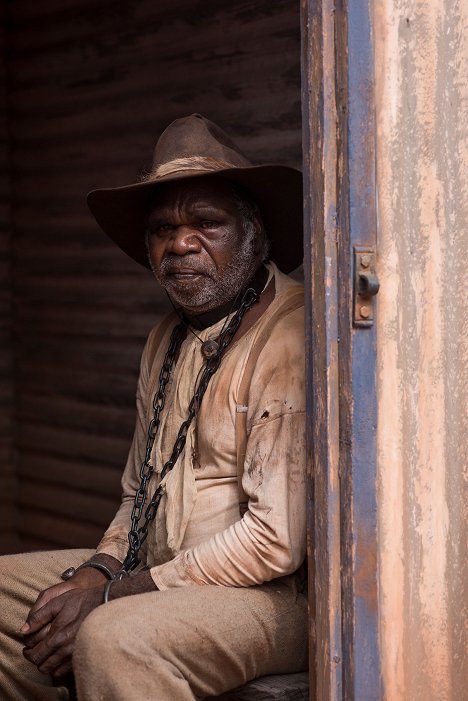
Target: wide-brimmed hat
(194,147)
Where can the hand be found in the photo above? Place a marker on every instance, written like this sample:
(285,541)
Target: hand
(83,579)
(86,578)
(50,629)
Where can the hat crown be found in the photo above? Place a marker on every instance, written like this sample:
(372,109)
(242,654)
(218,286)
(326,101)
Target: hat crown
(194,142)
(195,147)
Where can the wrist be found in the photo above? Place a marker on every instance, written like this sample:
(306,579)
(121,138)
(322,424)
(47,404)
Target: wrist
(96,571)
(139,583)
(89,577)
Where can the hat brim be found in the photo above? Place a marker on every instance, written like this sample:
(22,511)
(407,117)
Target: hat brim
(122,212)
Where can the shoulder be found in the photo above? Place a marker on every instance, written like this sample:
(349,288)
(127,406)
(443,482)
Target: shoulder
(280,339)
(283,321)
(277,362)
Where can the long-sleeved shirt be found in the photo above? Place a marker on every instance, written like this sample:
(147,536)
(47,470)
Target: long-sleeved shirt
(198,536)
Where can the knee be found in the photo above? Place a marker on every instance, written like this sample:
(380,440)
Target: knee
(96,656)
(106,636)
(108,646)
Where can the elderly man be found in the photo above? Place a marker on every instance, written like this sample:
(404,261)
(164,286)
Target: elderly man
(196,586)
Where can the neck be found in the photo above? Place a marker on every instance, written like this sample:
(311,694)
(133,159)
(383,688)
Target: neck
(212,316)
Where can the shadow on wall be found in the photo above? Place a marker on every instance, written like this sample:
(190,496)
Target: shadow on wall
(90,88)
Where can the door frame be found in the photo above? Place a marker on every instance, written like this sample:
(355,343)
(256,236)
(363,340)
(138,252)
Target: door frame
(339,214)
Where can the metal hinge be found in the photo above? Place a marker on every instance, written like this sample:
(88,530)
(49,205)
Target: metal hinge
(366,286)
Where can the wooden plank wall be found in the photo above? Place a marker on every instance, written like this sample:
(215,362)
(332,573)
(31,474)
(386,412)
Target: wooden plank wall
(91,87)
(8,513)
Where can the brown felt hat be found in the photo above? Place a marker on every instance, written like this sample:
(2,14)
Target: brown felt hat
(194,147)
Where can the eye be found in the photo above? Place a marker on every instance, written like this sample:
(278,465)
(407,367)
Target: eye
(160,229)
(209,224)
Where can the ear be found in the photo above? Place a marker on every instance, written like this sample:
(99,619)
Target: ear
(259,235)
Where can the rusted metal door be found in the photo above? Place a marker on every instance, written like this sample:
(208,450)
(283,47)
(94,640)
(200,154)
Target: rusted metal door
(340,238)
(421,96)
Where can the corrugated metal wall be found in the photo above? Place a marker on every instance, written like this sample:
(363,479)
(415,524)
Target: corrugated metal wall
(422,166)
(91,86)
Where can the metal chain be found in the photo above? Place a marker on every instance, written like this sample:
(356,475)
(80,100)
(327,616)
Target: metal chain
(147,470)
(138,534)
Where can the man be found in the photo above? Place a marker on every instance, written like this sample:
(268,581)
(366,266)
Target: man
(211,528)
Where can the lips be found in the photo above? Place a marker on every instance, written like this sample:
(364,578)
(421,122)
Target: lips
(182,274)
(182,278)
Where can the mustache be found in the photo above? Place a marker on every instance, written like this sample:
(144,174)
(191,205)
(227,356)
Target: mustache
(172,264)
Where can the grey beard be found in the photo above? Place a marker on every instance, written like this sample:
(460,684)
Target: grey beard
(219,286)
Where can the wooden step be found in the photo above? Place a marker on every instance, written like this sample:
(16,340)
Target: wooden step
(277,687)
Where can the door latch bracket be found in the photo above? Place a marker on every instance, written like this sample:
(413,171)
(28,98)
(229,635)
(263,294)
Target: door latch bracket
(366,286)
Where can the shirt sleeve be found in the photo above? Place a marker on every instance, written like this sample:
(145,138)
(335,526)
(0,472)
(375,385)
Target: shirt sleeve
(270,540)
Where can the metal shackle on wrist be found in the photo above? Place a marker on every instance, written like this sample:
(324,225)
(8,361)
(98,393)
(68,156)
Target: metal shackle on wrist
(118,576)
(70,571)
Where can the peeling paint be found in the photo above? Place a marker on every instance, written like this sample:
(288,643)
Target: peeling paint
(421,62)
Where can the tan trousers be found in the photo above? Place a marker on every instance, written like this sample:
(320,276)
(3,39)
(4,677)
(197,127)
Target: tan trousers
(177,645)
(22,577)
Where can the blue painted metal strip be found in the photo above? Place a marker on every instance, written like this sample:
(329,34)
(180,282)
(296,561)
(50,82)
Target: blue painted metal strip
(365,682)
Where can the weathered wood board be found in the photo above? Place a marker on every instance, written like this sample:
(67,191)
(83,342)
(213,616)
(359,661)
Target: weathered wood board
(277,687)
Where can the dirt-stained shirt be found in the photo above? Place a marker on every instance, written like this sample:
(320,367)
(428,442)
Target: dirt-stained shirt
(199,536)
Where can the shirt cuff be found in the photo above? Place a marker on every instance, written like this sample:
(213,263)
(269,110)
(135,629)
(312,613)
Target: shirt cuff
(175,573)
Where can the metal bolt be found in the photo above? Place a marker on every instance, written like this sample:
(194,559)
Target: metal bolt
(336,659)
(365,261)
(365,312)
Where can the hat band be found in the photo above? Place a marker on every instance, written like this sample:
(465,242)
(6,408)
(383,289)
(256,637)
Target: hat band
(191,163)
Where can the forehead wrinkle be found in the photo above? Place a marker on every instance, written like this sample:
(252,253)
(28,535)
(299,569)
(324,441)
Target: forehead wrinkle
(195,209)
(176,196)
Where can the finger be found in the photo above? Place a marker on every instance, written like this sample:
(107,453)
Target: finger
(63,669)
(39,618)
(56,661)
(41,652)
(55,647)
(54,653)
(51,593)
(31,640)
(50,664)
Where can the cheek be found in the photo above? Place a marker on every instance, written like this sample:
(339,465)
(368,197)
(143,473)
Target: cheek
(226,251)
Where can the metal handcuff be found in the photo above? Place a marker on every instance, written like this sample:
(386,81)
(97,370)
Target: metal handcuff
(111,576)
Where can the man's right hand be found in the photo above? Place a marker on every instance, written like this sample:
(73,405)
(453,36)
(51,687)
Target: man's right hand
(51,630)
(86,578)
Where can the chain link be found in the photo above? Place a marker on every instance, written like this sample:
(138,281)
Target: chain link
(138,534)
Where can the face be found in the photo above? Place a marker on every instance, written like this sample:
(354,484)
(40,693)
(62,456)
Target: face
(197,245)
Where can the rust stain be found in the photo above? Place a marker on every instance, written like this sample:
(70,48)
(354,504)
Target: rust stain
(366,557)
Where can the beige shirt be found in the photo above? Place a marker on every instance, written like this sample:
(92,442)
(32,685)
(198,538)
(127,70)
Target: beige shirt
(198,536)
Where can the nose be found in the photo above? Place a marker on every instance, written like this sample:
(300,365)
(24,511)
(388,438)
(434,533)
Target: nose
(184,240)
